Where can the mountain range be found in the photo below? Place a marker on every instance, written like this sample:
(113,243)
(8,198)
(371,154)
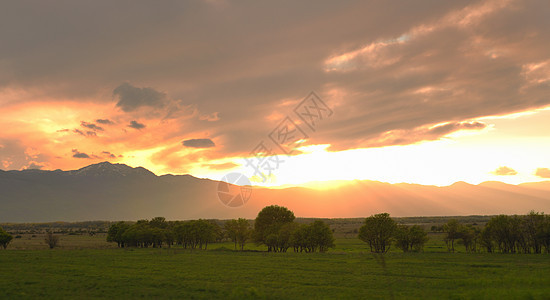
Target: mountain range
(107,191)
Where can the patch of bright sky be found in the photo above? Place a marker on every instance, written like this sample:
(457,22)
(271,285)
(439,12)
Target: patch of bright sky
(519,141)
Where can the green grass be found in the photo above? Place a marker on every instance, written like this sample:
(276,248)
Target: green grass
(348,271)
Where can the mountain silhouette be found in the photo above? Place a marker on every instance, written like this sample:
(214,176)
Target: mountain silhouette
(107,191)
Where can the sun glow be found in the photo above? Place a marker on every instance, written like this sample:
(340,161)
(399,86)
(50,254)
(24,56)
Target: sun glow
(470,156)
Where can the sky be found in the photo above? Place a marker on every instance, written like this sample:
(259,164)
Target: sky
(285,92)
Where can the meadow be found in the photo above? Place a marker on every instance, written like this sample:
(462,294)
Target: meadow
(88,267)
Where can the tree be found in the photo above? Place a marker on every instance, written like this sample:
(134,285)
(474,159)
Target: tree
(468,235)
(452,230)
(158,222)
(503,232)
(401,237)
(436,228)
(486,239)
(186,234)
(205,232)
(409,238)
(51,239)
(280,241)
(5,238)
(169,234)
(321,236)
(231,228)
(533,228)
(300,239)
(115,232)
(268,223)
(545,234)
(243,232)
(511,234)
(196,233)
(378,232)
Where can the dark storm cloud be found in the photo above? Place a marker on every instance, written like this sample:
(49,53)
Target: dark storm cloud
(108,154)
(104,121)
(199,143)
(131,97)
(91,126)
(442,62)
(77,154)
(136,125)
(85,133)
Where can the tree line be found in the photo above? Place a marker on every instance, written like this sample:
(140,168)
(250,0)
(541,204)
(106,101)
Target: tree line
(273,227)
(506,234)
(380,231)
(158,232)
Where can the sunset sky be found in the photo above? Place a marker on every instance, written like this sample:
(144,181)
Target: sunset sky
(429,92)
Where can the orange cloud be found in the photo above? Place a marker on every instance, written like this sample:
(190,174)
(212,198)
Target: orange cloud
(505,171)
(543,172)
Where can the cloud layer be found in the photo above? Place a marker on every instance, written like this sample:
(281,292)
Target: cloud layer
(178,70)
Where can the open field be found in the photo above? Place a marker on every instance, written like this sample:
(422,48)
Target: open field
(134,273)
(83,268)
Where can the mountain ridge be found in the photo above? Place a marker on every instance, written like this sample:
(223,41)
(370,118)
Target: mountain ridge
(107,191)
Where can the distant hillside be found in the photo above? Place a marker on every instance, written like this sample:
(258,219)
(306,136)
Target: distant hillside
(108,191)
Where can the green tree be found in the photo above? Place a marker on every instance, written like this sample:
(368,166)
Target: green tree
(281,240)
(182,232)
(545,234)
(158,222)
(268,222)
(468,235)
(504,233)
(486,239)
(452,233)
(205,232)
(321,236)
(409,238)
(231,228)
(243,232)
(115,232)
(5,238)
(401,237)
(300,239)
(169,234)
(378,232)
(533,230)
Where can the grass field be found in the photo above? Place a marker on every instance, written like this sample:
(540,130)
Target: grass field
(348,271)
